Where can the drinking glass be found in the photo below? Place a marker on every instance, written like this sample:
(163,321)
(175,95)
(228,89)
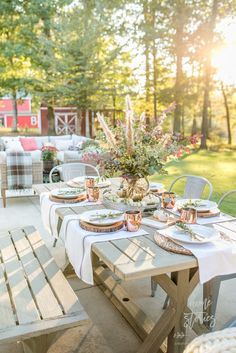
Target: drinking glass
(133,220)
(168,199)
(188,215)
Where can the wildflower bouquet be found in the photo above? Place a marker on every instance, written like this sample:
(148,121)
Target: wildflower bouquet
(137,152)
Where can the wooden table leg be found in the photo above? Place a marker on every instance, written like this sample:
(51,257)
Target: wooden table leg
(174,320)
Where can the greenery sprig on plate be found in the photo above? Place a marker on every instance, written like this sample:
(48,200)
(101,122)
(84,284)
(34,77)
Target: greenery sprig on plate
(101,216)
(185,228)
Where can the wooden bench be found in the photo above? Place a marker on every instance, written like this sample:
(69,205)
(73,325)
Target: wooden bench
(36,301)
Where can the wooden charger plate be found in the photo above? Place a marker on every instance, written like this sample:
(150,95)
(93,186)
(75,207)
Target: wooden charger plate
(103,228)
(71,200)
(206,214)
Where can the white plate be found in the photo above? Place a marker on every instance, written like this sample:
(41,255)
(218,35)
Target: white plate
(67,193)
(155,186)
(87,217)
(208,234)
(99,182)
(202,205)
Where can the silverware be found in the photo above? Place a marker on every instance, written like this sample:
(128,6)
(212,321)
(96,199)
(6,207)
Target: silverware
(227,238)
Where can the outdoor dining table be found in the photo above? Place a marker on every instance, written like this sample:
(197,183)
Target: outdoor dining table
(138,258)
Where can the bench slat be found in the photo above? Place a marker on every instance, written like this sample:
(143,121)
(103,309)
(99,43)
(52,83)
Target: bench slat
(63,291)
(6,315)
(26,309)
(43,294)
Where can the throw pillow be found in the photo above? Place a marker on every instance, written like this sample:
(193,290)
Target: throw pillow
(13,146)
(62,145)
(28,143)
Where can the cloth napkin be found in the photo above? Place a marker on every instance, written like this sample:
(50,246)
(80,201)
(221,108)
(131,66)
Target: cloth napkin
(154,223)
(78,244)
(215,258)
(48,211)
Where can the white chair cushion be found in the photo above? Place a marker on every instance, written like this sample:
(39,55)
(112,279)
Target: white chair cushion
(63,145)
(13,146)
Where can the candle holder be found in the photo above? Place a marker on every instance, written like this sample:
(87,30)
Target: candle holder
(93,194)
(168,199)
(188,215)
(133,220)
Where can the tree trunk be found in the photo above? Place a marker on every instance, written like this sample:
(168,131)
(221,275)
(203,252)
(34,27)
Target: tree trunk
(179,65)
(194,127)
(207,74)
(114,110)
(15,112)
(51,121)
(227,113)
(147,64)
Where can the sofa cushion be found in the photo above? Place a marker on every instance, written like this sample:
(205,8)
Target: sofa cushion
(59,137)
(28,143)
(36,156)
(13,146)
(63,145)
(64,156)
(77,139)
(41,140)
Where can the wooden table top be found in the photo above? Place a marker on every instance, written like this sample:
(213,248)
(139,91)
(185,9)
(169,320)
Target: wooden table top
(137,257)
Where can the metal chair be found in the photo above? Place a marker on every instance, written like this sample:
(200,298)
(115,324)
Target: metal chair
(211,289)
(69,171)
(194,186)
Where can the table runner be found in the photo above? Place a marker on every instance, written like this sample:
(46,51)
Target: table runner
(215,258)
(49,215)
(78,244)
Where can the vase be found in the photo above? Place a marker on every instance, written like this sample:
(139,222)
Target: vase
(48,165)
(134,187)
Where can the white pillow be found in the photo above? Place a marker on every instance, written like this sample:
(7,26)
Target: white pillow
(13,146)
(63,145)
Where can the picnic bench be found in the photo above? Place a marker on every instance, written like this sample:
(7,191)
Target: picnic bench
(36,301)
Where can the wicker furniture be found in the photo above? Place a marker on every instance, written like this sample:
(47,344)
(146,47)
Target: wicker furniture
(215,342)
(37,174)
(36,301)
(194,186)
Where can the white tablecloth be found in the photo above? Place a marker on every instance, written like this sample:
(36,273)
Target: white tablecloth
(78,243)
(48,211)
(215,258)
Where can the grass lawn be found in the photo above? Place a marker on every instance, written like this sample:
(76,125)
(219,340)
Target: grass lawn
(218,167)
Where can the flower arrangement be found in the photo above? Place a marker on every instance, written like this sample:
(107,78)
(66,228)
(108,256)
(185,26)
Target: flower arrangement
(135,151)
(49,152)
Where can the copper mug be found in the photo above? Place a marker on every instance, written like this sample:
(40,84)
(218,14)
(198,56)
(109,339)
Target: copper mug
(133,220)
(93,194)
(89,182)
(168,199)
(188,215)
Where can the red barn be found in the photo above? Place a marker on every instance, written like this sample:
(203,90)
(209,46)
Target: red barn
(26,119)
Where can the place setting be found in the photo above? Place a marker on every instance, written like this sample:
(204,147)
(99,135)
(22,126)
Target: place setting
(81,232)
(100,182)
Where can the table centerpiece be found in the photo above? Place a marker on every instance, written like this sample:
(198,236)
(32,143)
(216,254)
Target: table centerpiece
(136,152)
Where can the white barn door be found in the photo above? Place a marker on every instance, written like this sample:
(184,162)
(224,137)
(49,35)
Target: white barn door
(65,123)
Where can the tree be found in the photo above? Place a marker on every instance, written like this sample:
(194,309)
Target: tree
(210,26)
(226,104)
